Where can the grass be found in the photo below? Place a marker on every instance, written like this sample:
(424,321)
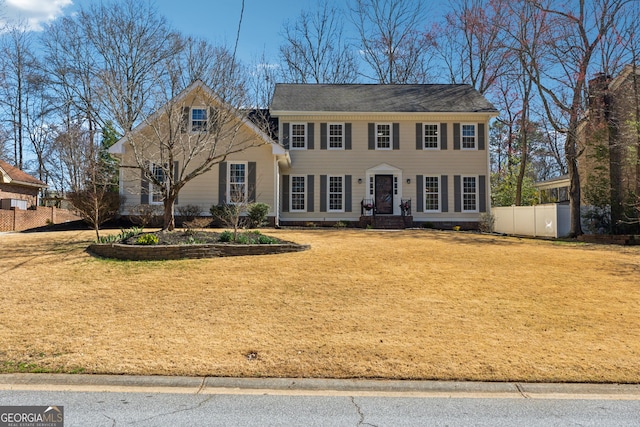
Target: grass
(417,304)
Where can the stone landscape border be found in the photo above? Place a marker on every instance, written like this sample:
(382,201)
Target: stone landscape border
(172,252)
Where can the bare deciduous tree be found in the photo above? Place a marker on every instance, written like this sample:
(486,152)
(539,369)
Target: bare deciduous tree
(571,35)
(472,42)
(315,50)
(393,39)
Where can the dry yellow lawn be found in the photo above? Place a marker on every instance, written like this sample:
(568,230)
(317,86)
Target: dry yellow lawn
(413,304)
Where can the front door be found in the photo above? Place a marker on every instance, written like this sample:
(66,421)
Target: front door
(384,194)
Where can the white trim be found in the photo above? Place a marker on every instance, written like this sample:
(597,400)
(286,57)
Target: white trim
(341,192)
(306,135)
(304,193)
(342,136)
(246,183)
(206,120)
(477,194)
(424,196)
(377,142)
(475,137)
(437,125)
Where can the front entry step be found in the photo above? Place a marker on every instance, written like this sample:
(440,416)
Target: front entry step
(387,222)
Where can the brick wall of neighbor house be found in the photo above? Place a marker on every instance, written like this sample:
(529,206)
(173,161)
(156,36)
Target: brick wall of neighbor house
(10,191)
(19,220)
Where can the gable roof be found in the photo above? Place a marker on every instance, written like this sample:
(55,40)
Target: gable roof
(118,147)
(377,98)
(12,175)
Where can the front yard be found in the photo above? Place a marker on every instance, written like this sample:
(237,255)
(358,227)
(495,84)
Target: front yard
(413,304)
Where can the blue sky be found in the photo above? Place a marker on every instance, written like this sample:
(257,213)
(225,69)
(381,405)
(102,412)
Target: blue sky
(214,20)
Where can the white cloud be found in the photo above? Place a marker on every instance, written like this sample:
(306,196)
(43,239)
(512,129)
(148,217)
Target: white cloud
(34,13)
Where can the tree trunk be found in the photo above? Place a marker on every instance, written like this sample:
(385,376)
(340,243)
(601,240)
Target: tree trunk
(169,223)
(574,183)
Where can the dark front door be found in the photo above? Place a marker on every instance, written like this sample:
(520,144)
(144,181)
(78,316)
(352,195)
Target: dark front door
(384,194)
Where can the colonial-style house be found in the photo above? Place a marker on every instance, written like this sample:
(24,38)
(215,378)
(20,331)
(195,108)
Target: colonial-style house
(18,189)
(380,155)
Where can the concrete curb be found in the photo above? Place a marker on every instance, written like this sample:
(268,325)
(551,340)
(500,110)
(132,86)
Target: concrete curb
(324,387)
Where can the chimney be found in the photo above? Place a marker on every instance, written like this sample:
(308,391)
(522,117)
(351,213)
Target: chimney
(599,97)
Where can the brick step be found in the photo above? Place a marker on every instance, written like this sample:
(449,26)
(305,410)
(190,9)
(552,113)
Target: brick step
(387,222)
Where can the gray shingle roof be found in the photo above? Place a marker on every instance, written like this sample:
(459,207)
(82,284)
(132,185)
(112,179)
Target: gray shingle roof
(373,98)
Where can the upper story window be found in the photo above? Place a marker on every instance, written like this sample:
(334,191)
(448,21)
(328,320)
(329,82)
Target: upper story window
(469,137)
(336,136)
(199,119)
(237,183)
(431,136)
(383,136)
(299,135)
(469,194)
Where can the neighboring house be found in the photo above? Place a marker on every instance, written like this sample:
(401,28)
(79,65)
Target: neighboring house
(610,164)
(384,155)
(554,190)
(18,189)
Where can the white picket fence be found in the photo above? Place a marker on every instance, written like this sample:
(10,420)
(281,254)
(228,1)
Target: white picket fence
(548,220)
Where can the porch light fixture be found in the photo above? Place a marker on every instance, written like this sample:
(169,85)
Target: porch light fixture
(359,180)
(408,180)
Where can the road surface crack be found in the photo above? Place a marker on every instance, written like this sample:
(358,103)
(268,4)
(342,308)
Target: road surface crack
(360,414)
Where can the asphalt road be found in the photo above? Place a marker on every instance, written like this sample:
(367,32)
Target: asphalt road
(165,401)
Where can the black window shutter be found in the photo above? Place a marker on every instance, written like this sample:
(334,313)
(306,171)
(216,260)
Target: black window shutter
(419,193)
(310,136)
(323,193)
(419,138)
(457,194)
(176,177)
(222,183)
(185,120)
(443,136)
(251,191)
(372,136)
(444,193)
(310,193)
(323,136)
(396,136)
(481,142)
(456,136)
(347,136)
(482,193)
(144,187)
(347,193)
(285,193)
(285,135)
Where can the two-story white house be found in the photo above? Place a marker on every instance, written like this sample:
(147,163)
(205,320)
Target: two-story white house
(363,154)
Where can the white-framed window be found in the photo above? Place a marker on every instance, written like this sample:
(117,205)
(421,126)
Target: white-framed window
(155,190)
(336,193)
(335,133)
(199,120)
(383,136)
(432,194)
(298,136)
(469,194)
(237,183)
(298,193)
(468,136)
(431,136)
